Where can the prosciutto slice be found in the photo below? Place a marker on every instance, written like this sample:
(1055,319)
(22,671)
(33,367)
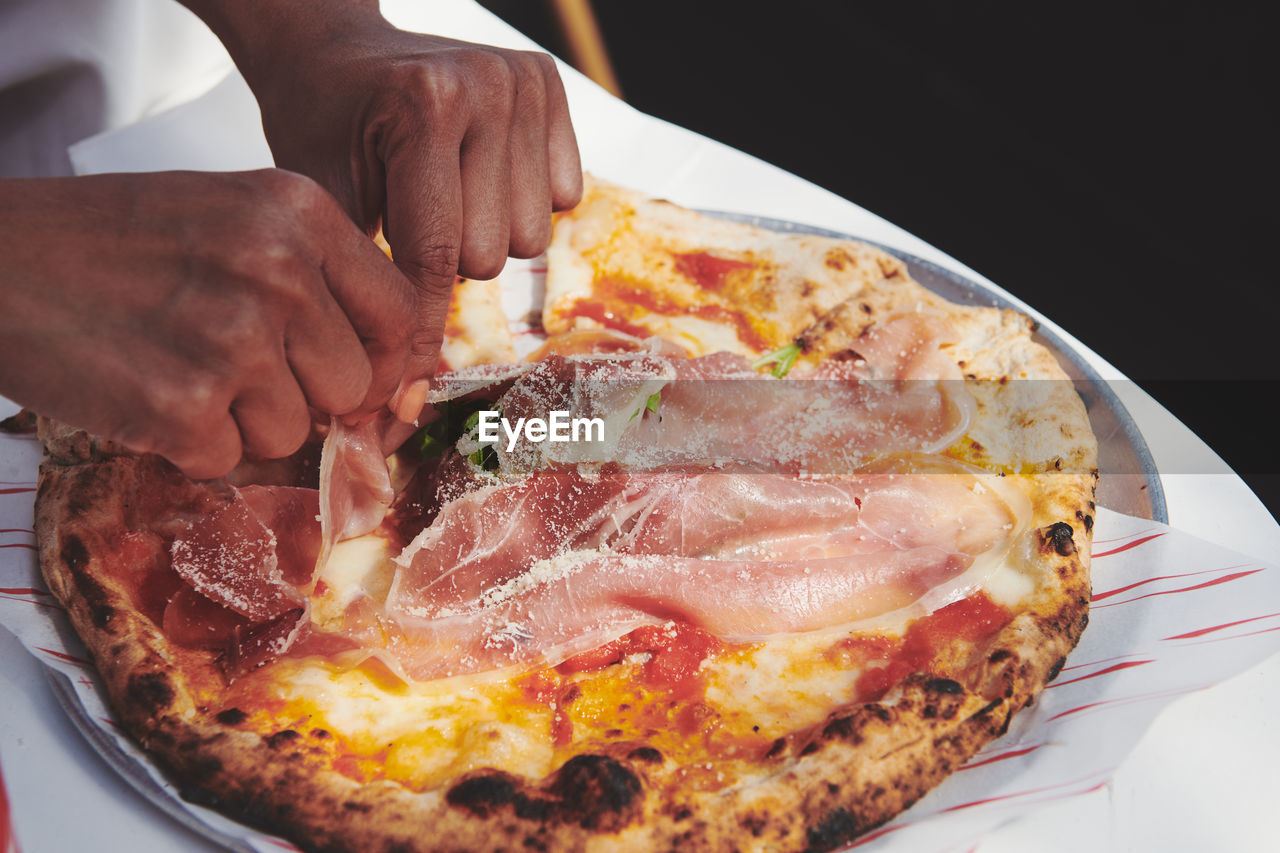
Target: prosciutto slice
(898,392)
(355,483)
(229,556)
(243,584)
(560,563)
(291,515)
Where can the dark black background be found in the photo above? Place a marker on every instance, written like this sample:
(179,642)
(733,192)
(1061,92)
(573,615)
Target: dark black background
(1113,164)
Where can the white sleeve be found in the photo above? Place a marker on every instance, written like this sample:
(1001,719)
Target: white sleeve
(73,68)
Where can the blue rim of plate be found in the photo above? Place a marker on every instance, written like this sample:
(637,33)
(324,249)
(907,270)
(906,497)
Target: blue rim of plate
(1129,480)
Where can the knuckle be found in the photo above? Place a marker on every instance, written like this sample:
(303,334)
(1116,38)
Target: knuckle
(243,336)
(268,249)
(421,85)
(287,433)
(291,185)
(177,404)
(434,265)
(295,198)
(496,70)
(541,62)
(287,187)
(532,74)
(261,254)
(487,80)
(285,285)
(272,268)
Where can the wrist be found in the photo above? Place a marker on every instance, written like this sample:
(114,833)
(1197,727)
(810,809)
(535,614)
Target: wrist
(263,35)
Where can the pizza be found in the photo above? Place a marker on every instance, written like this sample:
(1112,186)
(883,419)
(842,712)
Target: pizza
(745,540)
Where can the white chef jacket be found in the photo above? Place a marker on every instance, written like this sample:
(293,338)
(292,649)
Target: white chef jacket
(70,69)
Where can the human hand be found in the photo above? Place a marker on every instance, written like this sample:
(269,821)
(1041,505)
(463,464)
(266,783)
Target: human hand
(194,315)
(460,151)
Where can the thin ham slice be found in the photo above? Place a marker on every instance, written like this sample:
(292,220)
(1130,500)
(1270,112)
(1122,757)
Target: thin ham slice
(229,557)
(193,621)
(898,392)
(469,380)
(243,591)
(560,563)
(197,622)
(293,517)
(355,483)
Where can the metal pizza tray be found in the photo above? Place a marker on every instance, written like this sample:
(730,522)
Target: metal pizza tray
(132,770)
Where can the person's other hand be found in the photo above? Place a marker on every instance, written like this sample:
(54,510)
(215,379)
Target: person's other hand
(195,315)
(461,151)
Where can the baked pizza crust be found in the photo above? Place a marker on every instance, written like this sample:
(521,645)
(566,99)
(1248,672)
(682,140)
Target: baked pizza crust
(815,788)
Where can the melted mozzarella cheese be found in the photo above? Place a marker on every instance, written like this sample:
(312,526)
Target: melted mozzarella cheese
(426,732)
(785,684)
(356,567)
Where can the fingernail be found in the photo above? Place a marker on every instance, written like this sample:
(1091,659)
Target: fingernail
(411,401)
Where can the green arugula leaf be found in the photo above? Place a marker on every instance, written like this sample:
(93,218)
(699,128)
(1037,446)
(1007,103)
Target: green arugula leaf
(782,359)
(455,420)
(650,404)
(486,458)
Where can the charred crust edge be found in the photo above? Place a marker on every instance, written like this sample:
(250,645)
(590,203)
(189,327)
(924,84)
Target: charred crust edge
(595,792)
(1060,538)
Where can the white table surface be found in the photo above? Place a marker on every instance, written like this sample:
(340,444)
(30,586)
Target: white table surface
(1203,778)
